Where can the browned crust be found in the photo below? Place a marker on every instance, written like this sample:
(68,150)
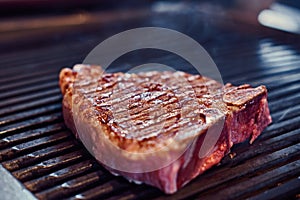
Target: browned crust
(229,99)
(246,115)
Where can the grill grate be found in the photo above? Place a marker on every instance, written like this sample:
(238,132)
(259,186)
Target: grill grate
(44,156)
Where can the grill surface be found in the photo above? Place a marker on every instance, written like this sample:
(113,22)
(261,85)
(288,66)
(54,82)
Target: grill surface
(43,155)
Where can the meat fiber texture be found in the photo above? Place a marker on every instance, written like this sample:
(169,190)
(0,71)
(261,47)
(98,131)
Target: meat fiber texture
(159,128)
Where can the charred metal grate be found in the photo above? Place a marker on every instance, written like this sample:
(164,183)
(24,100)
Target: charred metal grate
(40,152)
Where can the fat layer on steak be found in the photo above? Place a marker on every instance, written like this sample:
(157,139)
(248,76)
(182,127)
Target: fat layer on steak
(159,128)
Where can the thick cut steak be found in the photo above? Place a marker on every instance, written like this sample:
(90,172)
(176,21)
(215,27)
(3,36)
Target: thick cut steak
(159,128)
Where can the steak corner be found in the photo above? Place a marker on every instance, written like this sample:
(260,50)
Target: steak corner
(128,120)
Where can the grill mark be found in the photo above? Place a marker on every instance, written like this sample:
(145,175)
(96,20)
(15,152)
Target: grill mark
(151,129)
(137,108)
(133,93)
(146,104)
(145,112)
(106,102)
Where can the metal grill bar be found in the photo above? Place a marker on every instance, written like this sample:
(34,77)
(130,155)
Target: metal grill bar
(57,177)
(34,144)
(57,53)
(47,166)
(36,156)
(29,135)
(29,124)
(272,177)
(24,91)
(32,104)
(70,187)
(103,190)
(24,83)
(29,97)
(18,77)
(29,114)
(281,191)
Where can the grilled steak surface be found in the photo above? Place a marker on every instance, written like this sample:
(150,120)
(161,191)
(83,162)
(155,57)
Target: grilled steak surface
(160,128)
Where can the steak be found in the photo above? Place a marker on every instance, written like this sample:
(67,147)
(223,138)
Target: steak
(159,128)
